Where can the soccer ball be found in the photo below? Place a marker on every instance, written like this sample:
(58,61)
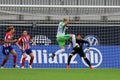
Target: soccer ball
(77,45)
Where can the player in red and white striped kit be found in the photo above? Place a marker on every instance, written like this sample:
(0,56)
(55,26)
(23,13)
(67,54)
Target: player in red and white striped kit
(24,45)
(7,48)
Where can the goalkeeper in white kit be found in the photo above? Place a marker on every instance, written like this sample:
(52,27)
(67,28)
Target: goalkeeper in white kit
(61,37)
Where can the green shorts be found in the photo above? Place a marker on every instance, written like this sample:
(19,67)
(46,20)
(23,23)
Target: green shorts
(62,39)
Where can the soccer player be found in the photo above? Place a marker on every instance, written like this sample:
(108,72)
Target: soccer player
(7,48)
(24,45)
(78,49)
(61,37)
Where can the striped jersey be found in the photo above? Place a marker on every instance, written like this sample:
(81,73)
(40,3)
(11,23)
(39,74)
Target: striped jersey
(25,42)
(8,36)
(61,29)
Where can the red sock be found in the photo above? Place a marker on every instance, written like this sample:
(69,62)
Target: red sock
(23,61)
(4,61)
(31,60)
(14,59)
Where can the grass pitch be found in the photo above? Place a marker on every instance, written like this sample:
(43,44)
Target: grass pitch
(59,74)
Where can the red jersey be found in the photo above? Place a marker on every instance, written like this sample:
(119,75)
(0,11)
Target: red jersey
(8,36)
(24,41)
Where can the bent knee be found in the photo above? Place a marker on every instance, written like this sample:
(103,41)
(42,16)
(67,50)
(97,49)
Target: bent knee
(72,35)
(32,56)
(7,57)
(24,56)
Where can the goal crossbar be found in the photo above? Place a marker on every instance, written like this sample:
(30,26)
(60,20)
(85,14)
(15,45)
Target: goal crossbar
(59,6)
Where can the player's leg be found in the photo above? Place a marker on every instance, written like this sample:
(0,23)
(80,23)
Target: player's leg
(67,37)
(30,53)
(61,50)
(23,59)
(70,57)
(88,62)
(13,52)
(5,52)
(61,42)
(4,61)
(81,53)
(72,36)
(31,60)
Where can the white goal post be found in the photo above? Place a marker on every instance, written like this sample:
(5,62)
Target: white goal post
(59,6)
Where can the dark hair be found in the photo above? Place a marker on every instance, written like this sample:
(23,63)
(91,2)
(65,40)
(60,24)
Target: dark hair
(9,28)
(79,34)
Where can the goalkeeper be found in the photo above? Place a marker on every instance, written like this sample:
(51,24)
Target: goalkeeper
(78,49)
(61,37)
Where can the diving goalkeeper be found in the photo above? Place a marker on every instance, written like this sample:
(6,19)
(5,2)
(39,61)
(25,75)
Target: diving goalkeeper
(61,37)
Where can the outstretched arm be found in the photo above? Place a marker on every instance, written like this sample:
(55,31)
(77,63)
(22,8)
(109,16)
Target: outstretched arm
(1,43)
(86,42)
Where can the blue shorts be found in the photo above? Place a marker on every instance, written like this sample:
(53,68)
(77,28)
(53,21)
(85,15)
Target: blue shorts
(27,51)
(7,50)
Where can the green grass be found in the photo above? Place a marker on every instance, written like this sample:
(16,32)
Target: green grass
(59,74)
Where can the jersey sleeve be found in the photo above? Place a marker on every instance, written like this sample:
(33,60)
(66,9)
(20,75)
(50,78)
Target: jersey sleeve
(29,37)
(62,24)
(7,37)
(19,40)
(86,42)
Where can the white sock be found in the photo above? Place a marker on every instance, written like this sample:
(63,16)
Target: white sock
(74,40)
(59,51)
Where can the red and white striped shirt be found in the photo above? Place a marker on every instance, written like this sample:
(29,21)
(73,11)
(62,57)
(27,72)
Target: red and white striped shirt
(24,41)
(8,36)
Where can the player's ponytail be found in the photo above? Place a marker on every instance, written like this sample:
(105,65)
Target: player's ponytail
(9,28)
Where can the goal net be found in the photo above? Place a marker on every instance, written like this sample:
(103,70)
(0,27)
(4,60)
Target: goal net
(98,23)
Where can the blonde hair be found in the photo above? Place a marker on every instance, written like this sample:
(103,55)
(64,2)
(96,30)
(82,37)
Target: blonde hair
(65,19)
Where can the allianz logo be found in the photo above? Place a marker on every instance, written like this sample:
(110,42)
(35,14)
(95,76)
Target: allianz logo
(43,57)
(94,55)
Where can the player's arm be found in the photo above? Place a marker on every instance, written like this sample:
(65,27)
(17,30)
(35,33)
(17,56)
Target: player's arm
(31,41)
(9,40)
(1,43)
(18,43)
(86,42)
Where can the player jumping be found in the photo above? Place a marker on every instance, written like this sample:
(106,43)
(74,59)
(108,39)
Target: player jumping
(7,48)
(25,40)
(62,37)
(78,49)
